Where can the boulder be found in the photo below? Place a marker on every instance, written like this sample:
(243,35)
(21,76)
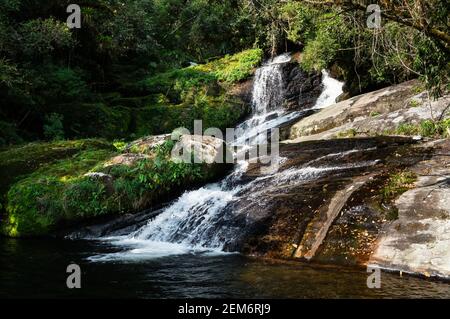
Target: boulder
(201,149)
(371,113)
(418,241)
(127,159)
(147,143)
(302,88)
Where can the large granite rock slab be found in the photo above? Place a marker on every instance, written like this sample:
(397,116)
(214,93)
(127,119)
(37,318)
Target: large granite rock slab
(372,113)
(419,241)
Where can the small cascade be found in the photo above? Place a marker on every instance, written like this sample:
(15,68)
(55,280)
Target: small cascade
(331,91)
(268,88)
(267,101)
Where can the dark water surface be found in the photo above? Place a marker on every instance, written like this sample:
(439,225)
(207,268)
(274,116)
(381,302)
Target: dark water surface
(37,269)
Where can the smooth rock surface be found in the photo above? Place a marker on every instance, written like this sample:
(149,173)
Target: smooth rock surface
(371,113)
(207,149)
(419,241)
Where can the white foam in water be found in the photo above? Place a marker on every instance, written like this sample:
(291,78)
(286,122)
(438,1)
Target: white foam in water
(299,175)
(191,213)
(136,249)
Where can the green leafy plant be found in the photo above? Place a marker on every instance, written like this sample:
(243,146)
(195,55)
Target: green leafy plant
(426,128)
(53,127)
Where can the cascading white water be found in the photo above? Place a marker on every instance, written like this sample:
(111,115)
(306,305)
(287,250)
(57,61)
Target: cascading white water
(332,89)
(267,100)
(191,222)
(268,89)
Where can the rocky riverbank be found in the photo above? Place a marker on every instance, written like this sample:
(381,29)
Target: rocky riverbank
(365,199)
(412,190)
(94,180)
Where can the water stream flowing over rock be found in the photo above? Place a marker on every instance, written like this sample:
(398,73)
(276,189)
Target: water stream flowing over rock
(212,217)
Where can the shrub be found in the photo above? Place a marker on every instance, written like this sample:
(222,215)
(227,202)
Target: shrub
(8,134)
(53,127)
(426,128)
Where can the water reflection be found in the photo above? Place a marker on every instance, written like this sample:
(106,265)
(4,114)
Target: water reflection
(37,269)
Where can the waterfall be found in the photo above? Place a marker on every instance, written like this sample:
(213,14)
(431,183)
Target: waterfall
(268,88)
(201,220)
(332,89)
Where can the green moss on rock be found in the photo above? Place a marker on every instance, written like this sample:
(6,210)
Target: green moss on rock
(21,160)
(82,187)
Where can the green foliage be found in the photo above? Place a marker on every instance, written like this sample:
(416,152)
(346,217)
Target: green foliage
(59,193)
(220,112)
(95,119)
(120,145)
(414,103)
(396,184)
(9,74)
(229,69)
(86,197)
(154,177)
(40,37)
(433,65)
(426,128)
(53,127)
(8,135)
(407,129)
(177,83)
(349,133)
(46,68)
(181,96)
(301,21)
(234,68)
(331,35)
(56,85)
(130,29)
(369,58)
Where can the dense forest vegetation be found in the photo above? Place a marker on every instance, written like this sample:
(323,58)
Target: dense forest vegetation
(125,72)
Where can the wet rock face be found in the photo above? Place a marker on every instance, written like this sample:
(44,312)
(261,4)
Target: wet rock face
(274,213)
(302,89)
(243,92)
(127,159)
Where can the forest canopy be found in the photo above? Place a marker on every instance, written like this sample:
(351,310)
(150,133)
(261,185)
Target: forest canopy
(51,75)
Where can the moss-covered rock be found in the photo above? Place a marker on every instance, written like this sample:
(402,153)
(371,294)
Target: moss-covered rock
(227,71)
(85,183)
(45,198)
(21,160)
(202,92)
